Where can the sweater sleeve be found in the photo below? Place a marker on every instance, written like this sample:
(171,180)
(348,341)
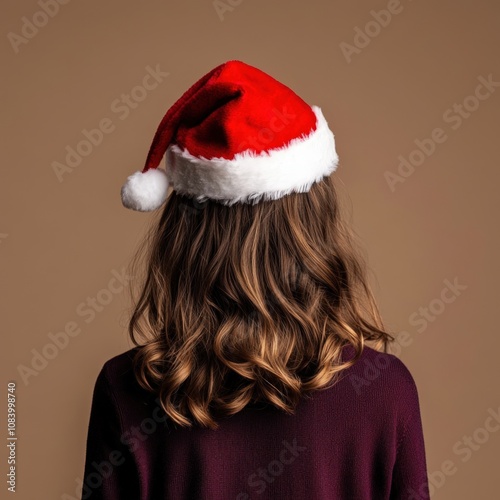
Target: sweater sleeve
(110,472)
(409,478)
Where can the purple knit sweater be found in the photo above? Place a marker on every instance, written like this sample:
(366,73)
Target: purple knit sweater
(359,440)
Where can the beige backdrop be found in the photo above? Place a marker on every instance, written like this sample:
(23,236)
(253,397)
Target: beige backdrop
(410,89)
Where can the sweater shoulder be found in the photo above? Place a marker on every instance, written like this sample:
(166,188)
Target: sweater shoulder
(119,364)
(383,378)
(380,366)
(118,374)
(395,366)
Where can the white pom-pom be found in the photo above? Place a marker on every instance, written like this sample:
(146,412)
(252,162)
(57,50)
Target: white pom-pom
(145,191)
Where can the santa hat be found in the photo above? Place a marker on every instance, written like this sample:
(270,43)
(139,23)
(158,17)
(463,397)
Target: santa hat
(236,135)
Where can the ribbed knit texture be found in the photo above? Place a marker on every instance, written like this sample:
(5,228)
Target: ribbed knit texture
(362,439)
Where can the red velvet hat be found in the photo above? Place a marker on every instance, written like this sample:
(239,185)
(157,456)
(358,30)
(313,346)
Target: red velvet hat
(236,135)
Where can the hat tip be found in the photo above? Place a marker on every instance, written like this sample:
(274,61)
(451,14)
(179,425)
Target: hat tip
(145,191)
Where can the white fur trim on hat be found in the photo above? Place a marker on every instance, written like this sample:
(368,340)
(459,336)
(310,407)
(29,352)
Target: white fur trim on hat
(145,191)
(250,176)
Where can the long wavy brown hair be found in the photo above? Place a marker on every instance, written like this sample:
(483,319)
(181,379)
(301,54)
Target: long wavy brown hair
(249,303)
